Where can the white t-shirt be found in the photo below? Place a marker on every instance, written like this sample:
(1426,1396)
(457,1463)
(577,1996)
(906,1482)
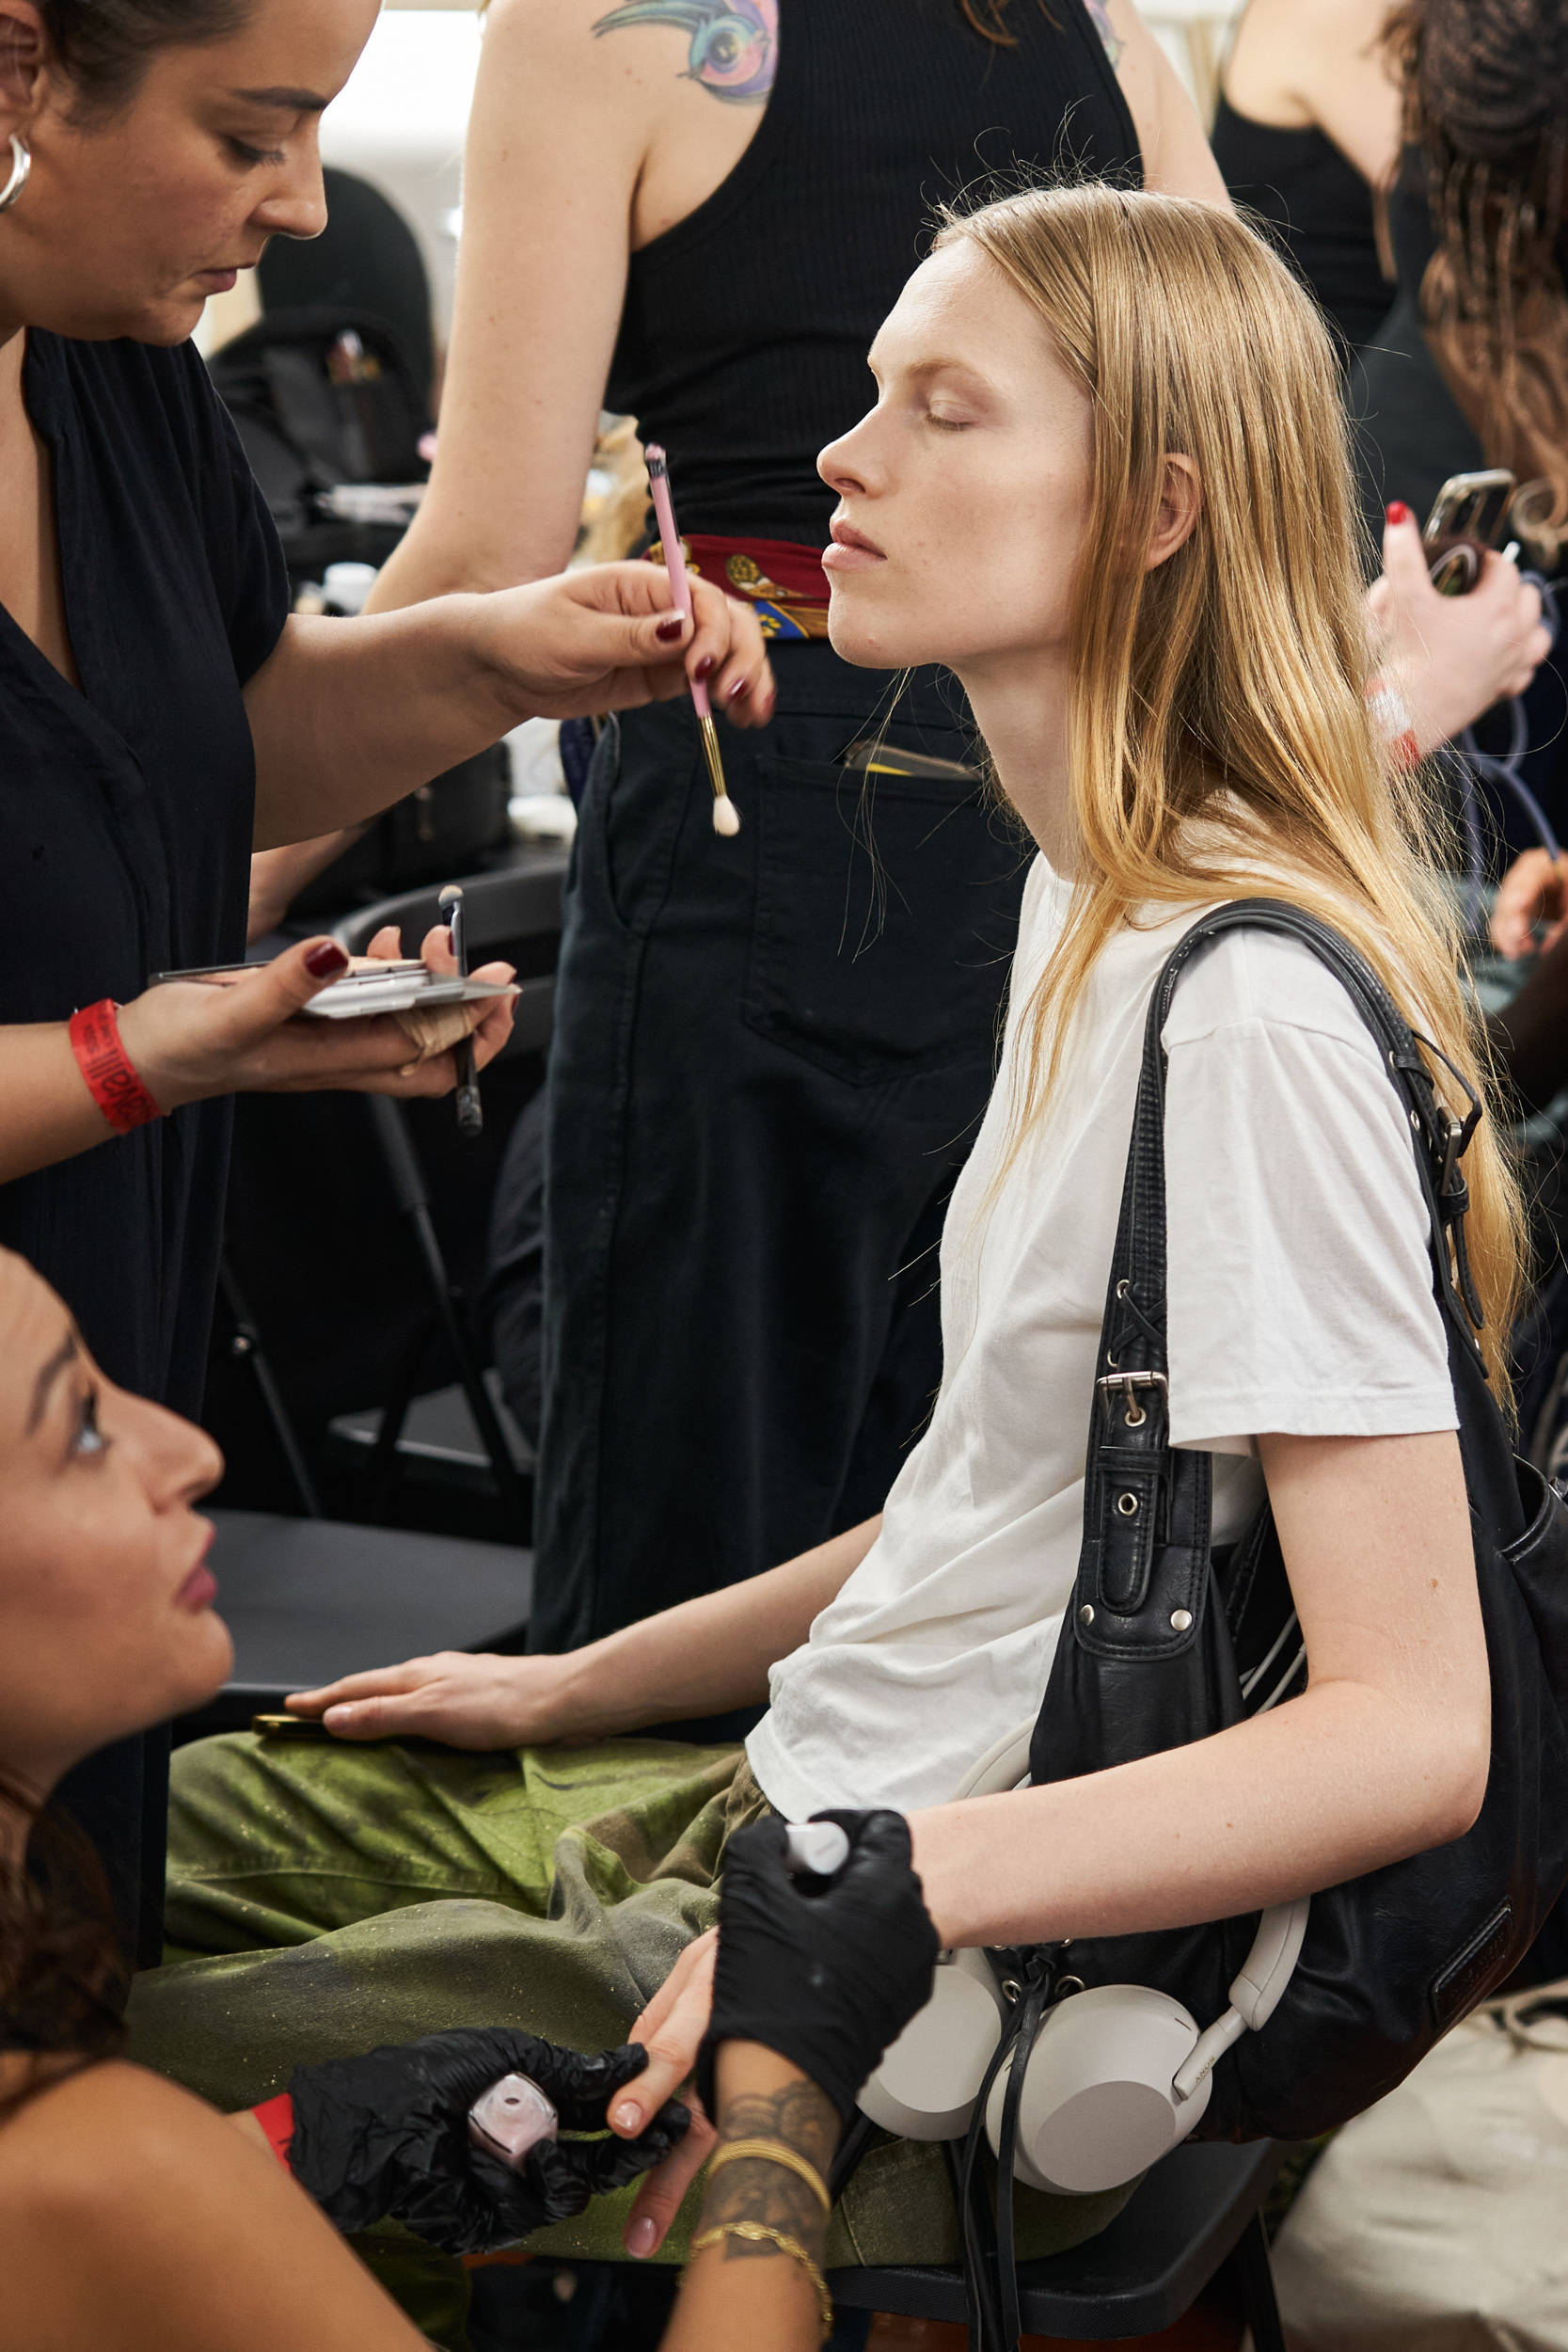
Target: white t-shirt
(1299,1299)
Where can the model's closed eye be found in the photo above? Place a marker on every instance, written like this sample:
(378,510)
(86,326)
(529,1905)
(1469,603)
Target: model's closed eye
(252,156)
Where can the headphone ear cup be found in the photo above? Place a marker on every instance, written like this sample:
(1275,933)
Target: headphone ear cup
(930,2078)
(1097,2107)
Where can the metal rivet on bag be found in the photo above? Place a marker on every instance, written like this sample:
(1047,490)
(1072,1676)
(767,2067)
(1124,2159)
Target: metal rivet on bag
(1126,1506)
(1136,1414)
(1415,1122)
(1123,1287)
(1085,1615)
(1065,1986)
(1011,1990)
(1180,1619)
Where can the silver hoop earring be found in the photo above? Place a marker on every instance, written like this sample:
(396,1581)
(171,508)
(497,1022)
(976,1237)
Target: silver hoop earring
(22,164)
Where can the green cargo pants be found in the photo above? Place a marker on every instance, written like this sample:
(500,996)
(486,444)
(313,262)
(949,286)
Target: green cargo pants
(323,1898)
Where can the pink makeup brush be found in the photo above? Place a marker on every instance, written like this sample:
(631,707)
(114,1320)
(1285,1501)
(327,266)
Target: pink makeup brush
(726,817)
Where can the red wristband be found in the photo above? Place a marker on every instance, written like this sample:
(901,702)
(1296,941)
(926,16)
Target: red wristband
(110,1073)
(276,2118)
(1390,715)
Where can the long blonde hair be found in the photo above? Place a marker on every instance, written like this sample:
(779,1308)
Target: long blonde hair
(1228,683)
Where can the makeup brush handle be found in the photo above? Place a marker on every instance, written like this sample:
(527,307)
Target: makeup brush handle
(670,539)
(674,562)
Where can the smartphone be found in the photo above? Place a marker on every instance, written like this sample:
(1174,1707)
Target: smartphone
(871,756)
(509,2117)
(1468,517)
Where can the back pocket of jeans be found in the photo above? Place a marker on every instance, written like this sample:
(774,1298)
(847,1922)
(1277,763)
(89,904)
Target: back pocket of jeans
(886,916)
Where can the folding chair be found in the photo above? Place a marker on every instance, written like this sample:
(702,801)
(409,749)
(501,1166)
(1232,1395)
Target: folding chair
(1195,2218)
(465,1438)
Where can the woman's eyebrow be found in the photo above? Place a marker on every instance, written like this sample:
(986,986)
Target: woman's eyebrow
(970,374)
(64,1355)
(295,102)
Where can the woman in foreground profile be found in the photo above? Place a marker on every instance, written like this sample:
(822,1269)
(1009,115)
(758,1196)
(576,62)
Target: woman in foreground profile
(134,2218)
(1106,482)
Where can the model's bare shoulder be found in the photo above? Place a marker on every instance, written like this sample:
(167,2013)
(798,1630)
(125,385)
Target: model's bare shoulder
(137,2218)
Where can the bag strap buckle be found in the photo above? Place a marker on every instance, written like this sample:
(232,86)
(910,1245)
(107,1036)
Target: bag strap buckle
(1114,1384)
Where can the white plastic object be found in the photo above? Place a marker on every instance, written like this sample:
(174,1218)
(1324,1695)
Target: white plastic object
(1003,1764)
(821,1847)
(1254,1994)
(509,2117)
(1097,2107)
(929,2079)
(347,585)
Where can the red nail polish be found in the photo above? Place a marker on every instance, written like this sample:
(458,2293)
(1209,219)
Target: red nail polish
(670,629)
(1399,512)
(326,961)
(739,687)
(705,667)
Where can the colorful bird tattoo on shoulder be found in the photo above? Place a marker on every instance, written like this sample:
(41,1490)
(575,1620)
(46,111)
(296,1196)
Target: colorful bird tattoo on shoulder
(734,43)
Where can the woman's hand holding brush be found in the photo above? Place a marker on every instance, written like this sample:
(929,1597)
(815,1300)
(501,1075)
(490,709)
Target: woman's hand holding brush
(611,638)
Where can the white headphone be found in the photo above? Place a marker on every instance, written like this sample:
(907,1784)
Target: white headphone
(1118,2074)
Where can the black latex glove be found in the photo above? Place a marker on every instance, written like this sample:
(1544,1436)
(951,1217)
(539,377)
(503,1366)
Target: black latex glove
(387,2136)
(825,1971)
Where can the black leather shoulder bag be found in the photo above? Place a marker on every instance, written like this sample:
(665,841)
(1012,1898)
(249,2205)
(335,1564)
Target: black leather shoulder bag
(1167,1640)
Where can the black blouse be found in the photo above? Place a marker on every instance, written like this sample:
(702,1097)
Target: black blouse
(126,814)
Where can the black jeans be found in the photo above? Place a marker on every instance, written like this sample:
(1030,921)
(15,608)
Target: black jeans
(769,1059)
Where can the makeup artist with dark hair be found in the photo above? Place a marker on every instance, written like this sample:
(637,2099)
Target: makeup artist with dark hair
(160,711)
(770,1051)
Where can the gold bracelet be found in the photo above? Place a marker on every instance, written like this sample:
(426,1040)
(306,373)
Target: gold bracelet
(773,2152)
(758,2234)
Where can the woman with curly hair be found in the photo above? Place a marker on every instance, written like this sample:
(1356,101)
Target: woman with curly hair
(1471,367)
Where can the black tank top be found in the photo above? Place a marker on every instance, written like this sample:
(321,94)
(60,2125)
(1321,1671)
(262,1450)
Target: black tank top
(1317,200)
(744,335)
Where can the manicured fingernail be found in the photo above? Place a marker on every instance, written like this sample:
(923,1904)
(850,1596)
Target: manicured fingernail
(671,628)
(326,962)
(336,1715)
(627,2116)
(705,667)
(741,686)
(1399,512)
(640,2238)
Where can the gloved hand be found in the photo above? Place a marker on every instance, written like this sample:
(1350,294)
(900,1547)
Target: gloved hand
(387,2136)
(827,1972)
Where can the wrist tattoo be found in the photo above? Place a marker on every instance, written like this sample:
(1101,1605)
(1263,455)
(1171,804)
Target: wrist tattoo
(734,44)
(753,2189)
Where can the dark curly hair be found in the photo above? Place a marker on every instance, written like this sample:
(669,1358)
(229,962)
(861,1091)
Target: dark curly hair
(62,1977)
(1486,97)
(104,46)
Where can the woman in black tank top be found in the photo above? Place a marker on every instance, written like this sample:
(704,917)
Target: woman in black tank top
(770,1053)
(1304,127)
(1319,206)
(745,327)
